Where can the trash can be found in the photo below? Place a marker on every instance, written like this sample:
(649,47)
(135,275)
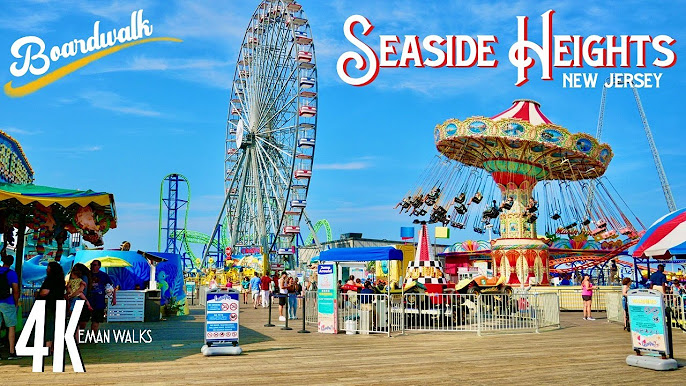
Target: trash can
(152,305)
(350,327)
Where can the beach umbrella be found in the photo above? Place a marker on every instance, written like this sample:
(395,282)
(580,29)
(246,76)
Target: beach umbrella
(665,238)
(109,262)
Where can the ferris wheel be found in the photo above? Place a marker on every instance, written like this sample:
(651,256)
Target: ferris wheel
(271,130)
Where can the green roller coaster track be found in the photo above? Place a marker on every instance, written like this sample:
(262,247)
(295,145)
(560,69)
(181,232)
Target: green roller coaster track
(321,223)
(188,237)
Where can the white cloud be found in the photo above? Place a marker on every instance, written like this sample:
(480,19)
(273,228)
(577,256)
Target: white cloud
(114,102)
(355,165)
(14,130)
(142,63)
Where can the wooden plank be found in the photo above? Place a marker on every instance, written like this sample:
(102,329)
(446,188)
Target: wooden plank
(581,352)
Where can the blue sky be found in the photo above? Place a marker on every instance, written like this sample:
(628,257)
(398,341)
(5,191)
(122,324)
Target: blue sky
(124,122)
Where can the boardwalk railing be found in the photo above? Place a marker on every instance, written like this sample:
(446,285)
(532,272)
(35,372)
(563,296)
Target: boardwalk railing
(397,313)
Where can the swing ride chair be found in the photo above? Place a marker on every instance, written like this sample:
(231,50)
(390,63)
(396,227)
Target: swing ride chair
(495,185)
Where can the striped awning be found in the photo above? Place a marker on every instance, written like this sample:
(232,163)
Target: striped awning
(526,110)
(665,238)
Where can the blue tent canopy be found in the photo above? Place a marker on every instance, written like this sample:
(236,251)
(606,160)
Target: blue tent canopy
(361,254)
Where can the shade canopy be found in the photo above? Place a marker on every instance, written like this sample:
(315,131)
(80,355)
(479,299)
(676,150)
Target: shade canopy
(665,238)
(338,255)
(28,193)
(53,211)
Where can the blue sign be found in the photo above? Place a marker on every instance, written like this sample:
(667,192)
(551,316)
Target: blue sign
(325,269)
(221,316)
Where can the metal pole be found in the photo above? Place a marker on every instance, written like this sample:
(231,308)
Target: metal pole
(286,312)
(269,322)
(304,330)
(19,250)
(478,315)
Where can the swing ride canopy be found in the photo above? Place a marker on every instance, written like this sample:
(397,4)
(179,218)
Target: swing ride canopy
(665,238)
(522,140)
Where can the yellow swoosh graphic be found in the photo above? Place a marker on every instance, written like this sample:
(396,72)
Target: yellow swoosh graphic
(73,66)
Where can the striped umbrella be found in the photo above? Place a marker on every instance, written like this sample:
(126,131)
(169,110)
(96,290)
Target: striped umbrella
(665,238)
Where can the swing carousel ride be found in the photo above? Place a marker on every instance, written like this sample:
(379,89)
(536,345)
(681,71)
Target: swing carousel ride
(518,173)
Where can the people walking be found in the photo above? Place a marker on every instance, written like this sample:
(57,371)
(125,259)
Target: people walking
(283,293)
(9,300)
(52,290)
(587,296)
(265,281)
(245,288)
(626,286)
(255,283)
(658,280)
(292,298)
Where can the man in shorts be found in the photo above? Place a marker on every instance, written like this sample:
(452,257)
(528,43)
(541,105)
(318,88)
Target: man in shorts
(9,285)
(255,289)
(96,297)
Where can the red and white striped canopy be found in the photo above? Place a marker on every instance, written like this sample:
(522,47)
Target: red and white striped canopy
(424,251)
(526,110)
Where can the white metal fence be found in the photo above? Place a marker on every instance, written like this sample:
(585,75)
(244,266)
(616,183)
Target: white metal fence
(614,307)
(397,313)
(363,313)
(678,305)
(311,307)
(438,312)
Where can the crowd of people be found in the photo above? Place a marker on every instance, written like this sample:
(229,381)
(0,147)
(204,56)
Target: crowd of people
(287,289)
(89,285)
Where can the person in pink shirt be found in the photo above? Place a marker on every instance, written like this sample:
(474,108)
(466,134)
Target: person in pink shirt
(587,296)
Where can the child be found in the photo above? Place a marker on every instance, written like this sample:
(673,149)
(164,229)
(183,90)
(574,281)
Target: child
(75,289)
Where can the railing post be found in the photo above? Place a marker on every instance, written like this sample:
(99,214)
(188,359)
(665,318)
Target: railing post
(304,330)
(478,315)
(535,313)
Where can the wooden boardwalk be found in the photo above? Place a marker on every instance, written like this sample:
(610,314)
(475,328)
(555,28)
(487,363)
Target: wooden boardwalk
(581,352)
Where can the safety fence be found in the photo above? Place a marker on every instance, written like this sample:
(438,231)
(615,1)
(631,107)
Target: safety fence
(676,302)
(311,307)
(26,299)
(398,313)
(570,298)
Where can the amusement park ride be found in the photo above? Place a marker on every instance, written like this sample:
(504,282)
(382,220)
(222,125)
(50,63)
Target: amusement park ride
(269,150)
(175,237)
(271,134)
(517,173)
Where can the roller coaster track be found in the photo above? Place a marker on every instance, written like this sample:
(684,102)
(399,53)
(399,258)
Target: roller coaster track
(317,226)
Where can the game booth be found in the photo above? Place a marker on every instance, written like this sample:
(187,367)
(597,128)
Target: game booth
(329,317)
